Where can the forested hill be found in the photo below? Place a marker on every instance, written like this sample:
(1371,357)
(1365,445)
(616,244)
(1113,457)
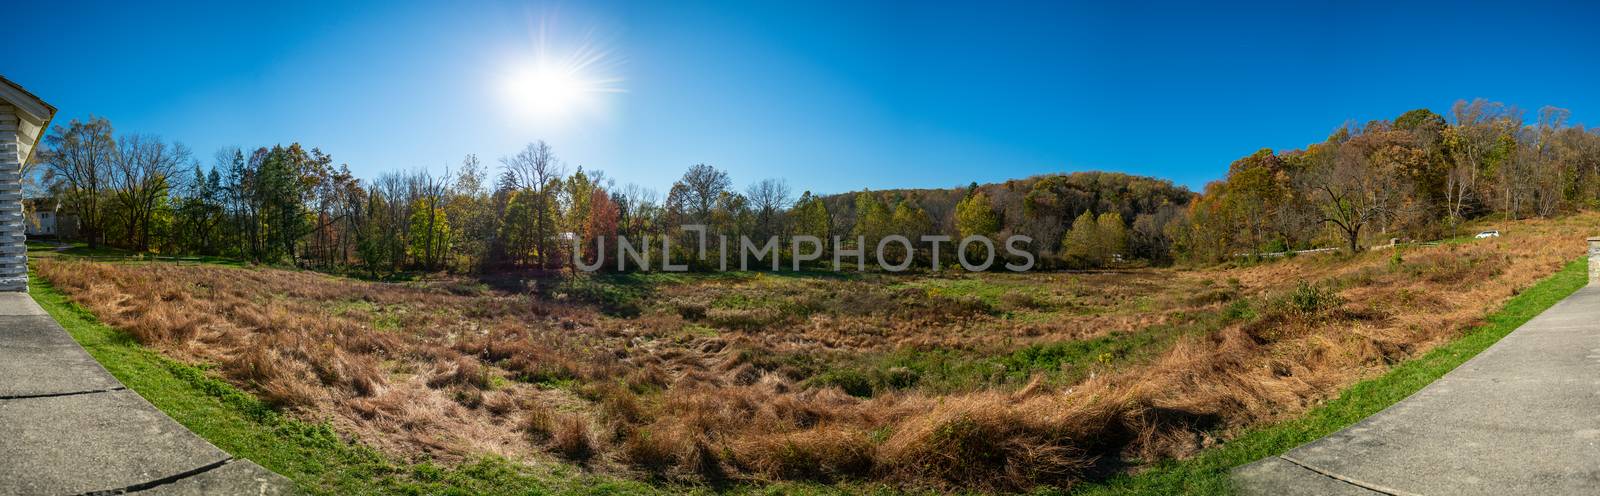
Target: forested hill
(1044,206)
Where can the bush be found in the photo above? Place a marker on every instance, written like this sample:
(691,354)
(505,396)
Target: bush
(1309,299)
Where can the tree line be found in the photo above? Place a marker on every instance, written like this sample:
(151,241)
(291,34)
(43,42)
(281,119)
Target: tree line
(1419,175)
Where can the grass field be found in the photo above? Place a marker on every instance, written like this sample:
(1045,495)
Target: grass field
(797,383)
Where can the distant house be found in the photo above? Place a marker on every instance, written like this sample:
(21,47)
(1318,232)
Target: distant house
(47,219)
(41,224)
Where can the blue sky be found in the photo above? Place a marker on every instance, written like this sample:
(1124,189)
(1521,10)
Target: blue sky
(831,96)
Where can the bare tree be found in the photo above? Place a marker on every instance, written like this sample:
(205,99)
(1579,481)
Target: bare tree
(1360,189)
(636,206)
(769,198)
(143,172)
(434,191)
(78,163)
(535,169)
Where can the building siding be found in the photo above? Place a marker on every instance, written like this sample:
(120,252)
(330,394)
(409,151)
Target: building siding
(13,250)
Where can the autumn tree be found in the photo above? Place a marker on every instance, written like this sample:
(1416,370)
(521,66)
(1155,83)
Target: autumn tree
(471,211)
(432,236)
(911,221)
(601,224)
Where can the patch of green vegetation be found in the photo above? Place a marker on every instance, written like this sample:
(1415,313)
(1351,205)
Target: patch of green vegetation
(945,371)
(40,246)
(80,250)
(1208,472)
(691,331)
(989,291)
(376,315)
(853,382)
(611,297)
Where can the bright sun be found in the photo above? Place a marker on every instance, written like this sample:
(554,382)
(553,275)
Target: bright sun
(550,86)
(545,90)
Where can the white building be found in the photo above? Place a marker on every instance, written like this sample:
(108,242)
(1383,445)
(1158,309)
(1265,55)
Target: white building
(43,217)
(23,120)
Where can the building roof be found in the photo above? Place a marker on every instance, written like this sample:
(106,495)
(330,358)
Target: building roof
(34,112)
(26,100)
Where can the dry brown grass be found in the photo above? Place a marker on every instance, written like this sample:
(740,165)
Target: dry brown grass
(711,381)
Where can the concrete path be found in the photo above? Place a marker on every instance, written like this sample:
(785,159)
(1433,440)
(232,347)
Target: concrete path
(1523,417)
(68,427)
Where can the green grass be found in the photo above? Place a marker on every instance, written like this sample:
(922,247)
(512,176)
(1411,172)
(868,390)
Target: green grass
(1208,472)
(81,250)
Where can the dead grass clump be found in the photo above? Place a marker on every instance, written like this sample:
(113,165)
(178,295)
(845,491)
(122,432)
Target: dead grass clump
(618,403)
(357,373)
(464,372)
(745,318)
(1022,300)
(981,440)
(652,451)
(499,403)
(289,394)
(538,422)
(572,438)
(825,454)
(1461,268)
(689,310)
(255,364)
(672,452)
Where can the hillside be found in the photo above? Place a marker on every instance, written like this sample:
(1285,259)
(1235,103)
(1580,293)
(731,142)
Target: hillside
(1043,206)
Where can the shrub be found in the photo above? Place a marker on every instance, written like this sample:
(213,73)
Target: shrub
(1309,299)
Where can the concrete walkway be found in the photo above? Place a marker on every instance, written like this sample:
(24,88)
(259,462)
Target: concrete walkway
(1523,417)
(68,427)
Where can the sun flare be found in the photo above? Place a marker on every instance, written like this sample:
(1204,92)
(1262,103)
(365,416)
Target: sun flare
(551,85)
